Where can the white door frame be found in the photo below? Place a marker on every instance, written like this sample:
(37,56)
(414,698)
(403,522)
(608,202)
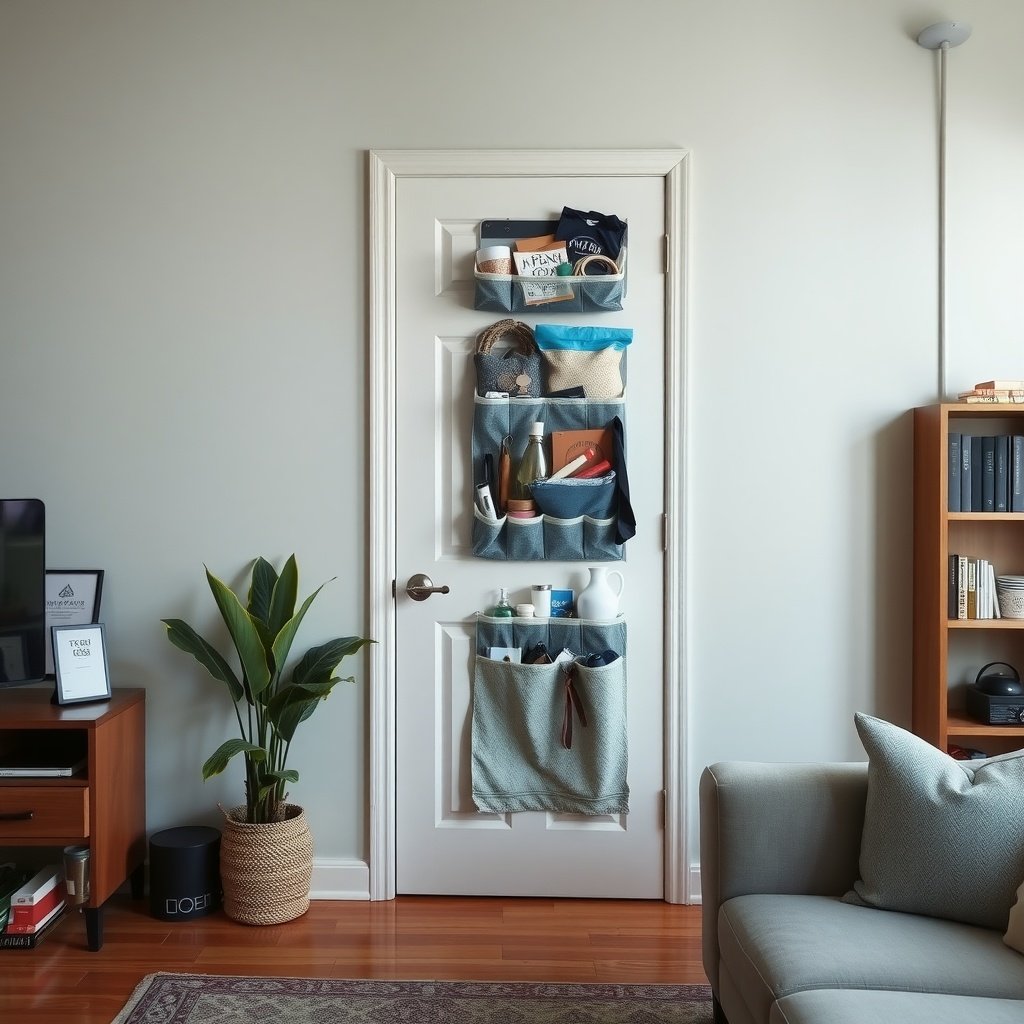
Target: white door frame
(385,168)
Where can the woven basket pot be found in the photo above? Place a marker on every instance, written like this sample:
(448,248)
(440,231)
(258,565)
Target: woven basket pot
(265,870)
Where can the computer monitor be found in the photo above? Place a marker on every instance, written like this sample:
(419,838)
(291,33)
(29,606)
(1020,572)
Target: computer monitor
(22,591)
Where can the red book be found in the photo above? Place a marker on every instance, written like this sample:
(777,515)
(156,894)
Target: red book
(32,929)
(32,914)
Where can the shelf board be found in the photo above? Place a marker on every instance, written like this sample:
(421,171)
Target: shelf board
(959,726)
(985,623)
(985,517)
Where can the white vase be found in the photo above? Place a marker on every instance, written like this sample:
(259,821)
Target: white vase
(599,599)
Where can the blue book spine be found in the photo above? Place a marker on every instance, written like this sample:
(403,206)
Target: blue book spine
(966,474)
(976,464)
(953,474)
(988,474)
(1002,494)
(1017,474)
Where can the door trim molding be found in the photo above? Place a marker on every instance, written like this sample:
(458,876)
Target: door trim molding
(385,168)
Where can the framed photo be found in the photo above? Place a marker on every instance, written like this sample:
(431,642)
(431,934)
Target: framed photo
(80,663)
(72,599)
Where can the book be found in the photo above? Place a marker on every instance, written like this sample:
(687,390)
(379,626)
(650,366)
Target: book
(972,589)
(999,385)
(37,887)
(952,587)
(993,399)
(1002,490)
(30,927)
(953,475)
(988,474)
(1017,473)
(965,473)
(567,444)
(996,614)
(30,915)
(976,465)
(29,940)
(961,603)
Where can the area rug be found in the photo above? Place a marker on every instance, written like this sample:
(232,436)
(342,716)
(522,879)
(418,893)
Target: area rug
(215,999)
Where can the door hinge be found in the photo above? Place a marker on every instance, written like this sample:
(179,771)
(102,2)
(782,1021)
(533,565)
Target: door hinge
(394,588)
(664,532)
(666,249)
(664,808)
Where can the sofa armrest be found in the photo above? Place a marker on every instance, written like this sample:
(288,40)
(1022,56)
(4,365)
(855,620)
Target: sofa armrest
(776,828)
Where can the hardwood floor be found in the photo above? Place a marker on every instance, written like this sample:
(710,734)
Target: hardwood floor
(428,937)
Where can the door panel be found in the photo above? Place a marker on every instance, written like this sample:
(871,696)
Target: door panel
(443,844)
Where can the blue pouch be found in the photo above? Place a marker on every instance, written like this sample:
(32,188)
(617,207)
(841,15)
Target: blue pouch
(587,357)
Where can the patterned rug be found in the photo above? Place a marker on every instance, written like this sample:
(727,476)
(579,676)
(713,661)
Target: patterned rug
(214,999)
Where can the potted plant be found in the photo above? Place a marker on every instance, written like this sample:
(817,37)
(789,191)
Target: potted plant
(270,702)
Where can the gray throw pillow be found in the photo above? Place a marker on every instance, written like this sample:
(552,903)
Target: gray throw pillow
(941,837)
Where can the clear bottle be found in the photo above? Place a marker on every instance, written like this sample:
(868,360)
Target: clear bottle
(533,465)
(503,609)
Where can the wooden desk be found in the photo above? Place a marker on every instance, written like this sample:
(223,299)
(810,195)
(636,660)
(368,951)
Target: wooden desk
(104,807)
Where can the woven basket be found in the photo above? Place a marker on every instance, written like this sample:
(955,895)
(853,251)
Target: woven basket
(266,870)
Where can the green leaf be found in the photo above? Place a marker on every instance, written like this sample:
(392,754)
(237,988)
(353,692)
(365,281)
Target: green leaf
(292,705)
(285,636)
(261,590)
(244,634)
(282,603)
(218,760)
(284,775)
(183,636)
(319,663)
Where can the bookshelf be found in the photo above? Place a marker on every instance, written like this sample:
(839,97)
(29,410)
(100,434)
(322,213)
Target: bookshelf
(947,653)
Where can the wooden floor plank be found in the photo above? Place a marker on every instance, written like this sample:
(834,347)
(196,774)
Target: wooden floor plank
(412,938)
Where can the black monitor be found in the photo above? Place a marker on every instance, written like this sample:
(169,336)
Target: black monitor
(22,591)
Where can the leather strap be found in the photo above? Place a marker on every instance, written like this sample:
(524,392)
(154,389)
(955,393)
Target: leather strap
(572,703)
(625,524)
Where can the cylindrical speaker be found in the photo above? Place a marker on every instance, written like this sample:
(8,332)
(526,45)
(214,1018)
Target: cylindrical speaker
(184,872)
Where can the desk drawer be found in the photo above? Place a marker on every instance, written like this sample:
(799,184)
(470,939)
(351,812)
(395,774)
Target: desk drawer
(29,812)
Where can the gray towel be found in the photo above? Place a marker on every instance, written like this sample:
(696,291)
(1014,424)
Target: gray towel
(519,760)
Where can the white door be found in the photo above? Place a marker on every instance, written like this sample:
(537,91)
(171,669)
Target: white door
(444,844)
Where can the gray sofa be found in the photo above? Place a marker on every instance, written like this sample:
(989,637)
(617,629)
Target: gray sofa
(780,846)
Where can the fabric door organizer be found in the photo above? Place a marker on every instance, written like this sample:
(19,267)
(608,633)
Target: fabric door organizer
(522,715)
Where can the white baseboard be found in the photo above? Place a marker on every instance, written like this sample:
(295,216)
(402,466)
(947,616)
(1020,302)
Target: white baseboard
(694,886)
(337,879)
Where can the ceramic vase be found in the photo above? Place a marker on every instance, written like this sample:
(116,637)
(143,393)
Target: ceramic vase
(599,599)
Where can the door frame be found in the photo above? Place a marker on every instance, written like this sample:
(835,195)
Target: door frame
(385,169)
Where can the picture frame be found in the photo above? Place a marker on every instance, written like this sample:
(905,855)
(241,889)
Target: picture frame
(80,663)
(72,599)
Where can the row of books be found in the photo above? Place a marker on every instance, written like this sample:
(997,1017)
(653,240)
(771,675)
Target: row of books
(972,588)
(986,474)
(994,391)
(32,907)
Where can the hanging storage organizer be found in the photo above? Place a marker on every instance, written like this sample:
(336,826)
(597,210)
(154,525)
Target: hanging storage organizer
(545,739)
(581,292)
(578,520)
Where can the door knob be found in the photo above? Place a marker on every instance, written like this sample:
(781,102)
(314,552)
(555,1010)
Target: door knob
(420,587)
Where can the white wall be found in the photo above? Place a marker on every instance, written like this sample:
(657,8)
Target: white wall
(182,296)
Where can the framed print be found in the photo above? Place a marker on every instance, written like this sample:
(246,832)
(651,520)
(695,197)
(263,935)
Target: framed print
(72,599)
(80,663)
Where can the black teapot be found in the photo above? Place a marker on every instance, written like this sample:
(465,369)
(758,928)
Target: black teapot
(997,684)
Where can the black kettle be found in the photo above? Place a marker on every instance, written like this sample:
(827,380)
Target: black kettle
(997,684)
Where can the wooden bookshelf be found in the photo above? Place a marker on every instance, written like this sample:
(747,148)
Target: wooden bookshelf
(103,808)
(947,652)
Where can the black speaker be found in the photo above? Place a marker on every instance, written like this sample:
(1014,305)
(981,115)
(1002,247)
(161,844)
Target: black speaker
(184,872)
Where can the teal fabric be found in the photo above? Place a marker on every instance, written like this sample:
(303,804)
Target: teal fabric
(581,339)
(941,837)
(518,760)
(776,945)
(852,1006)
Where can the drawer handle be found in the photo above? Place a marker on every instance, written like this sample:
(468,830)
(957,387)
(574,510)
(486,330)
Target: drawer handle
(17,816)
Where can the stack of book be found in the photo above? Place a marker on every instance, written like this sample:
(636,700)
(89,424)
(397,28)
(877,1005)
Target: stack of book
(35,907)
(993,391)
(986,474)
(972,588)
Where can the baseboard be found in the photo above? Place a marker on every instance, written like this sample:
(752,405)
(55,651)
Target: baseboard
(338,879)
(694,886)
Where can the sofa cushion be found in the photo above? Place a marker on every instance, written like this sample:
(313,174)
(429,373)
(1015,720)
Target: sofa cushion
(776,945)
(941,837)
(853,1006)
